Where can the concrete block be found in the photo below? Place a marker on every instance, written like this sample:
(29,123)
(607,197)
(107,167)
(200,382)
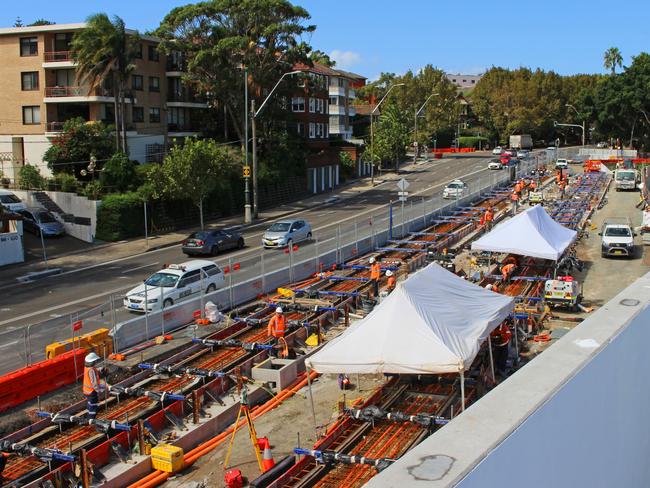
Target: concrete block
(279,372)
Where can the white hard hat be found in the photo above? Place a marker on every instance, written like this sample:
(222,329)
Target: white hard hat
(389,273)
(91,359)
(372,260)
(489,286)
(278,310)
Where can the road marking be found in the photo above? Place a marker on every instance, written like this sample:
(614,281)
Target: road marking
(5,310)
(55,315)
(8,344)
(140,267)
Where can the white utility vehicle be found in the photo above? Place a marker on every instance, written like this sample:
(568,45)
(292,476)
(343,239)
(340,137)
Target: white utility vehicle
(617,238)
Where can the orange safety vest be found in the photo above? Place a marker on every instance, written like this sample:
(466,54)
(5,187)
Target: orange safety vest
(514,197)
(277,326)
(375,271)
(533,185)
(502,335)
(91,380)
(517,187)
(392,281)
(489,215)
(507,269)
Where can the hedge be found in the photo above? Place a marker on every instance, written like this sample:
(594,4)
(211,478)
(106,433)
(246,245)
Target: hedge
(472,141)
(120,216)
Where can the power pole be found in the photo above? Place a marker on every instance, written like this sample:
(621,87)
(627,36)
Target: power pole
(254,135)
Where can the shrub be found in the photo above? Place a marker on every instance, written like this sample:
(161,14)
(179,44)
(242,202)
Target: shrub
(472,141)
(348,165)
(118,174)
(120,216)
(93,189)
(29,178)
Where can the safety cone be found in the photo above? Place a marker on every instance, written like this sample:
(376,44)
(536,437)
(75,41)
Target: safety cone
(267,458)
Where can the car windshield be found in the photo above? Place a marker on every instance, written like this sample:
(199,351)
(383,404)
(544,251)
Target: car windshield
(454,185)
(625,175)
(9,199)
(280,227)
(618,232)
(198,235)
(45,218)
(162,279)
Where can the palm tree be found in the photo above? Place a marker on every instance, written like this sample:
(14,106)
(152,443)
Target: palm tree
(613,59)
(105,52)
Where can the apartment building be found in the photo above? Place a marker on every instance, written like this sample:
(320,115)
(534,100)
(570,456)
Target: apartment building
(341,92)
(39,91)
(464,81)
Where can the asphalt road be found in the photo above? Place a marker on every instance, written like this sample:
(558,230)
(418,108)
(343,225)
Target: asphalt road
(52,303)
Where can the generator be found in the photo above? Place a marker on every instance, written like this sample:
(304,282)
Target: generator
(563,291)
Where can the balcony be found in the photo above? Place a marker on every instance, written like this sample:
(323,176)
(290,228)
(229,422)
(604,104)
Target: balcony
(56,94)
(337,91)
(57,56)
(180,98)
(183,127)
(337,109)
(54,126)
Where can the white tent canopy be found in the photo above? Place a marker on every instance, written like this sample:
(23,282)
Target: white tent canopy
(531,233)
(434,322)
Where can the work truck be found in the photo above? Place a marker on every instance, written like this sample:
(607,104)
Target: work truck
(524,141)
(617,238)
(626,179)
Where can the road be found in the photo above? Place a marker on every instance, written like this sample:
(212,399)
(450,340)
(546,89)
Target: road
(54,302)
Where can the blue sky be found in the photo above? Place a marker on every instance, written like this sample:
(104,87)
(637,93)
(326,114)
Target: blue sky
(371,36)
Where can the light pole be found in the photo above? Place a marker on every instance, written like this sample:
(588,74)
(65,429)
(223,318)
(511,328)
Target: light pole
(583,122)
(372,133)
(415,138)
(557,124)
(253,115)
(247,175)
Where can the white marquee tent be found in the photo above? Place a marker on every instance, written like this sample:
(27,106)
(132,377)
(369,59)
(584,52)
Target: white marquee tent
(531,233)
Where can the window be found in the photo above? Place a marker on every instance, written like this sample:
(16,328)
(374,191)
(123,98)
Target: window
(189,278)
(138,114)
(65,77)
(154,84)
(300,128)
(298,104)
(473,81)
(28,46)
(326,134)
(137,82)
(32,115)
(62,41)
(138,51)
(154,55)
(154,115)
(312,130)
(312,105)
(29,80)
(334,100)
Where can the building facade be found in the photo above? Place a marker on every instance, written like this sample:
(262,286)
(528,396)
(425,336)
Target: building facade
(464,81)
(40,91)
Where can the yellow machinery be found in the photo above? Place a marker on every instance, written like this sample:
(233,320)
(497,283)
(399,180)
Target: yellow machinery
(167,458)
(97,341)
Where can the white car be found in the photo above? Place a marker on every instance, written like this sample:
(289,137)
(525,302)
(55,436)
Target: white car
(497,151)
(454,190)
(617,239)
(174,283)
(523,154)
(11,202)
(561,164)
(495,164)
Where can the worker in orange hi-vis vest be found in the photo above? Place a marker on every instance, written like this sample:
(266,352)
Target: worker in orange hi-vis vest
(277,325)
(515,200)
(375,275)
(92,383)
(489,217)
(507,270)
(500,338)
(392,280)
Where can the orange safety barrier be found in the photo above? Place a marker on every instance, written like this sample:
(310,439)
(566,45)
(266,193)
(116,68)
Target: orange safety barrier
(31,381)
(453,150)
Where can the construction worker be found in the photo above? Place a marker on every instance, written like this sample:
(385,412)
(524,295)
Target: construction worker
(489,218)
(562,185)
(392,280)
(507,270)
(375,275)
(500,338)
(92,383)
(277,325)
(532,186)
(515,199)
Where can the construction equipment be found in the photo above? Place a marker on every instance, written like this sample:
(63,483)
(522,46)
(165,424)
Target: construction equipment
(563,291)
(247,346)
(102,426)
(331,457)
(375,413)
(167,458)
(180,370)
(245,411)
(42,453)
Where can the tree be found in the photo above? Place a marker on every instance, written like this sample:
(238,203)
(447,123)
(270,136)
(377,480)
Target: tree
(18,22)
(322,58)
(612,59)
(391,135)
(105,54)
(348,165)
(118,174)
(72,148)
(220,37)
(41,21)
(197,168)
(29,178)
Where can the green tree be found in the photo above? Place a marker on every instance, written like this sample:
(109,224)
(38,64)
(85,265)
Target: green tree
(72,148)
(30,178)
(391,135)
(18,22)
(196,169)
(348,165)
(612,59)
(118,174)
(321,57)
(41,21)
(105,52)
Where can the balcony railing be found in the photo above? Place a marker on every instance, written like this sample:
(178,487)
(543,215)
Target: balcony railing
(76,91)
(184,96)
(57,56)
(55,126)
(175,65)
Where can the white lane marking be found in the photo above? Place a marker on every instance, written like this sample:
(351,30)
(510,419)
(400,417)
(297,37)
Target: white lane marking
(5,310)
(8,344)
(140,267)
(55,315)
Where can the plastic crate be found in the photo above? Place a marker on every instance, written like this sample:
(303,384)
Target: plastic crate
(168,458)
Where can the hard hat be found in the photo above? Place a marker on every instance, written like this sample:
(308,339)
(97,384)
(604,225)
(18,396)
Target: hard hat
(489,286)
(372,260)
(91,359)
(389,273)
(278,310)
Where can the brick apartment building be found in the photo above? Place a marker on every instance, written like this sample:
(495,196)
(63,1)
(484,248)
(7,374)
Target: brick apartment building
(39,92)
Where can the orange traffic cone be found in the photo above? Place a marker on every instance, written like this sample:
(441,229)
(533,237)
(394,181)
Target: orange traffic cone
(267,458)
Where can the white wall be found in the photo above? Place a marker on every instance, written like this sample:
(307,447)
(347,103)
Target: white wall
(35,147)
(11,248)
(607,153)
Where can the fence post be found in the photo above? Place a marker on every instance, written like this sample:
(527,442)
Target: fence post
(232,302)
(114,321)
(372,234)
(356,239)
(317,255)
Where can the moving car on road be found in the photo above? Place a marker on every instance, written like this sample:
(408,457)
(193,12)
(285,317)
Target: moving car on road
(523,153)
(454,190)
(561,164)
(212,242)
(617,238)
(497,151)
(495,164)
(37,220)
(174,283)
(11,202)
(286,233)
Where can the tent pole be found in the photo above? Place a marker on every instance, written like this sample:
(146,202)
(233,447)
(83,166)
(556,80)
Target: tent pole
(311,398)
(494,379)
(462,389)
(516,361)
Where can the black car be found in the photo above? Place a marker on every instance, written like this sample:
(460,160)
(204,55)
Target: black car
(212,242)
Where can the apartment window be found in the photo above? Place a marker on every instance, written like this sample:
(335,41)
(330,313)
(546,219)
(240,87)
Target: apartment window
(32,115)
(334,100)
(297,104)
(154,84)
(154,115)
(137,82)
(138,51)
(65,77)
(300,128)
(29,80)
(312,130)
(62,41)
(28,46)
(138,114)
(326,134)
(312,105)
(154,55)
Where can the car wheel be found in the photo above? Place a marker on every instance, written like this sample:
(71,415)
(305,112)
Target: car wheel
(211,287)
(240,243)
(168,303)
(309,236)
(214,250)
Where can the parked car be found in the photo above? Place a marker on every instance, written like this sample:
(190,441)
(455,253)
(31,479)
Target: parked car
(174,283)
(495,164)
(561,164)
(212,242)
(37,220)
(286,233)
(11,202)
(454,190)
(497,151)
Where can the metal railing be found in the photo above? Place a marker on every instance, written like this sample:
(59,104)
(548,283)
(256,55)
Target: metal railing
(55,126)
(57,56)
(76,91)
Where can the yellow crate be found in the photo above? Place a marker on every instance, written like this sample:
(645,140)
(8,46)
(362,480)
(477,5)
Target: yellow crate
(168,458)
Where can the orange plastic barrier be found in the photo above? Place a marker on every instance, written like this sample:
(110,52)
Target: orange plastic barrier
(31,381)
(453,150)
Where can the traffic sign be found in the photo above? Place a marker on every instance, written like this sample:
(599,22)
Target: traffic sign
(402,199)
(247,171)
(402,194)
(403,184)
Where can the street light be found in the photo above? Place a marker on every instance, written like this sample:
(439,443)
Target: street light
(372,133)
(415,138)
(247,177)
(583,122)
(557,124)
(253,115)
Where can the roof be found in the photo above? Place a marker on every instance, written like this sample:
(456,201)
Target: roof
(326,70)
(188,266)
(38,29)
(349,74)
